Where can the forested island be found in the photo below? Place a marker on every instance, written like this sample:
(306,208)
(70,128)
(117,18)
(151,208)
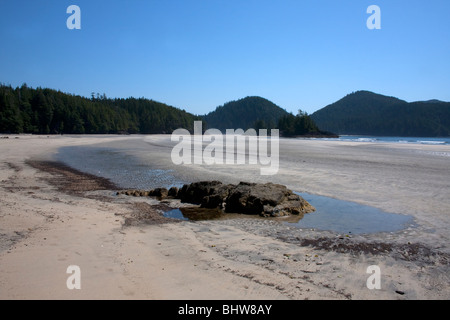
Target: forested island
(259,113)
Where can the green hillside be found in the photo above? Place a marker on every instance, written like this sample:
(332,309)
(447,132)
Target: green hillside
(45,111)
(249,112)
(368,113)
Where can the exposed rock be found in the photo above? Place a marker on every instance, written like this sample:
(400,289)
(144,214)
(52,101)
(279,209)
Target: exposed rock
(161,193)
(267,199)
(173,192)
(207,193)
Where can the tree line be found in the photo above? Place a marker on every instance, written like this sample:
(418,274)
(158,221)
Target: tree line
(46,111)
(300,125)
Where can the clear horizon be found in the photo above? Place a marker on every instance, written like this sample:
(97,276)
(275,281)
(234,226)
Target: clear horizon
(197,55)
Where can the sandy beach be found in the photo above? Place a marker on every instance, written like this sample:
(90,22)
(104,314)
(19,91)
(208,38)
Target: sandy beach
(52,217)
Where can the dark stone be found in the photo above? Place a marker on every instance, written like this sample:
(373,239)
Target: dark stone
(173,192)
(250,198)
(161,193)
(195,192)
(267,199)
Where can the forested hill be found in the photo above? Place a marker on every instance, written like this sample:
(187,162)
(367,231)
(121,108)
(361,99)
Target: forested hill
(249,112)
(44,111)
(368,113)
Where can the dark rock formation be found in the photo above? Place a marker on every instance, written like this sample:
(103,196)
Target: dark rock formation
(268,199)
(209,194)
(173,192)
(197,191)
(160,193)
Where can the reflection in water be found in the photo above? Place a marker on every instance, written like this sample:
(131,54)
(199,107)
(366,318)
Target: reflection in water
(349,217)
(195,214)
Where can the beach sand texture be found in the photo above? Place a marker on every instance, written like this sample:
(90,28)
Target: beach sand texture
(52,217)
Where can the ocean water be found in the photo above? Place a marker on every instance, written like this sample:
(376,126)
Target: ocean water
(409,140)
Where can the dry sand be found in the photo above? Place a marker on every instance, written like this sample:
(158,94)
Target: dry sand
(52,217)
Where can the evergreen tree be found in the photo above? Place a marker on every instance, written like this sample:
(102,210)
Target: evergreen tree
(47,111)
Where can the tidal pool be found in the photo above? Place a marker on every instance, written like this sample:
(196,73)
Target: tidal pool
(350,217)
(331,215)
(124,168)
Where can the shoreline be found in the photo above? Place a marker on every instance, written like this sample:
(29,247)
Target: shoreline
(234,258)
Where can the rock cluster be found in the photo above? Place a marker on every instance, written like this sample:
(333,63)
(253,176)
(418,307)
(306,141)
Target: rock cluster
(268,199)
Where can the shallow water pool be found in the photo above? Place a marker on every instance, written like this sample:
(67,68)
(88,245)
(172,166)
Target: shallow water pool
(333,215)
(128,171)
(350,217)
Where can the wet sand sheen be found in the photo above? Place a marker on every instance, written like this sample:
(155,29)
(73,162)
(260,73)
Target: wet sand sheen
(127,169)
(127,250)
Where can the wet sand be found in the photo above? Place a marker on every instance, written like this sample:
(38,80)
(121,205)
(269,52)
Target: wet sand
(53,216)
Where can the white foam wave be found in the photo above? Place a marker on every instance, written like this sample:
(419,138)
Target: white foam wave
(431,142)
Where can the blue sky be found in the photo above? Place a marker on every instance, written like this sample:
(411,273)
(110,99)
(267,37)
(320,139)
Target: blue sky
(199,54)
